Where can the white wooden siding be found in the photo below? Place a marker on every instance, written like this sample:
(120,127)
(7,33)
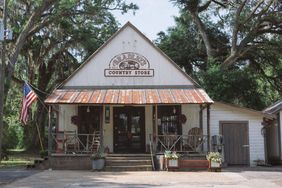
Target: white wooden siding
(191,111)
(65,114)
(92,74)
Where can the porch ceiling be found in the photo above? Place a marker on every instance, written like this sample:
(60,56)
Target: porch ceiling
(129,96)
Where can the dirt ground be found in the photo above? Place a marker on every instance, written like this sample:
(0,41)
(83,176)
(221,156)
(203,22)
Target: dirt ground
(230,177)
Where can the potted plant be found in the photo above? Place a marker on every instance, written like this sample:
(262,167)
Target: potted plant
(43,154)
(171,159)
(98,160)
(215,160)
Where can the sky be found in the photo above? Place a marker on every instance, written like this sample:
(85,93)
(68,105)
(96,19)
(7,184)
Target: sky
(152,17)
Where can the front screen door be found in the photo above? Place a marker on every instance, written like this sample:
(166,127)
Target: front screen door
(129,129)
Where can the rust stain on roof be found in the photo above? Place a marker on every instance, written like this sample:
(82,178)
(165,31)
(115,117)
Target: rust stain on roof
(129,96)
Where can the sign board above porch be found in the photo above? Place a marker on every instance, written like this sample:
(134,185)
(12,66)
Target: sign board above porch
(128,59)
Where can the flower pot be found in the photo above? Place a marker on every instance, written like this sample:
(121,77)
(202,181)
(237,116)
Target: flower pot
(214,164)
(98,164)
(173,163)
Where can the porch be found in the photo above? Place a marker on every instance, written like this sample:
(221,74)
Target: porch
(69,142)
(136,121)
(130,129)
(77,148)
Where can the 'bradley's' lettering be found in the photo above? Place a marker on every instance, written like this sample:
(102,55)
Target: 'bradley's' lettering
(129,64)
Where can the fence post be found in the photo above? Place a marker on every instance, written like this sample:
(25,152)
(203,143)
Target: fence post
(49,132)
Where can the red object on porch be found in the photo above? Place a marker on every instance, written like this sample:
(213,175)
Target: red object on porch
(129,96)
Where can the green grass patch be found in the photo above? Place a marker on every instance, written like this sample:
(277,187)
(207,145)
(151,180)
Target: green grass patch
(17,159)
(15,163)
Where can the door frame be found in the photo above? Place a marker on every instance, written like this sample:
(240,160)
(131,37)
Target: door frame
(248,132)
(143,127)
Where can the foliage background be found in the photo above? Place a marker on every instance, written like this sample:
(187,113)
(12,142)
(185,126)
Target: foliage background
(66,32)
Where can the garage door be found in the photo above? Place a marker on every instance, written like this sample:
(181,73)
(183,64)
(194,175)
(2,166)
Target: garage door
(236,142)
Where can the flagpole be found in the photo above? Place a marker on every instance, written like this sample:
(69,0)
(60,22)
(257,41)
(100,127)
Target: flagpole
(39,135)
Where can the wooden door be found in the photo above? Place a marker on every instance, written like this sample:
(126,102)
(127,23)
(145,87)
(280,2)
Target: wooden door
(236,142)
(129,129)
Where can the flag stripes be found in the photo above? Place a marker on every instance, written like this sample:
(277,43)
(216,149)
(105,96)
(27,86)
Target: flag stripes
(28,98)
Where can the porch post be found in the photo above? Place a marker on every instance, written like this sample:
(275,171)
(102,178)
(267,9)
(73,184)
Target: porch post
(155,128)
(49,132)
(201,117)
(201,122)
(208,125)
(102,121)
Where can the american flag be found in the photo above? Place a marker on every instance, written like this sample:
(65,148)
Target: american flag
(28,98)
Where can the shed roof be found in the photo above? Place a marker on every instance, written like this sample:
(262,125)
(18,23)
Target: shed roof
(274,108)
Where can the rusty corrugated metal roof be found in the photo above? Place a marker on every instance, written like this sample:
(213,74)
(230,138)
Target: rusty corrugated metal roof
(129,96)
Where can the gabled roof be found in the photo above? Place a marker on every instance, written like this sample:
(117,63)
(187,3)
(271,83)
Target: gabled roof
(274,108)
(128,24)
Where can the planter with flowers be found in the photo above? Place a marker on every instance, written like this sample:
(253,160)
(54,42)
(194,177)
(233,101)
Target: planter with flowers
(171,159)
(215,161)
(98,160)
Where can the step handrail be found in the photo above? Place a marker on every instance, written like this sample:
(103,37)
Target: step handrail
(151,151)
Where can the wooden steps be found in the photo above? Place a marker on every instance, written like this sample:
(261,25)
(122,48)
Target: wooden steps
(128,162)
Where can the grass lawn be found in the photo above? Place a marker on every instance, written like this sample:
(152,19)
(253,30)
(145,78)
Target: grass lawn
(17,158)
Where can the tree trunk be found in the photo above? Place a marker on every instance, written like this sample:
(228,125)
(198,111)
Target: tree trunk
(204,35)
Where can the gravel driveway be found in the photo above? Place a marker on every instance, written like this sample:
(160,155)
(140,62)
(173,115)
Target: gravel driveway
(231,177)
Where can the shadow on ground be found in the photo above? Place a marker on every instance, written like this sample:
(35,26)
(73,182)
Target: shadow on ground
(277,168)
(9,175)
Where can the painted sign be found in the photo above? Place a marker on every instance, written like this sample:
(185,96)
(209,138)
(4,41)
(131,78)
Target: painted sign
(129,64)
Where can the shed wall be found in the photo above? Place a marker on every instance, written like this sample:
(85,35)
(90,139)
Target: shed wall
(221,112)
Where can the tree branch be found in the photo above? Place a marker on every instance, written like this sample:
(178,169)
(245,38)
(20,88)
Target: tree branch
(24,34)
(236,28)
(205,6)
(253,12)
(219,3)
(204,34)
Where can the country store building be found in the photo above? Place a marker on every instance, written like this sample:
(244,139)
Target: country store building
(131,98)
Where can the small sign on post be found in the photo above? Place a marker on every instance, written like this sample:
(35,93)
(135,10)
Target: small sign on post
(5,34)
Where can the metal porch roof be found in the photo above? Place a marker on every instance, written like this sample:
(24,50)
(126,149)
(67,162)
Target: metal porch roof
(129,96)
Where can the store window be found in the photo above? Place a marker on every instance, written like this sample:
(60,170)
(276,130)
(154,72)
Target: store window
(168,121)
